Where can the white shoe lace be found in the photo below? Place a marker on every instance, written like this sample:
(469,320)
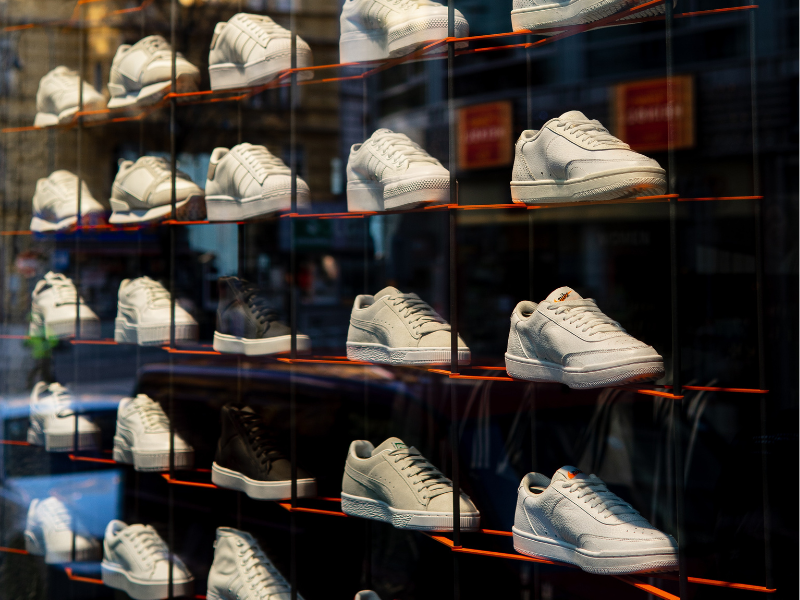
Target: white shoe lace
(417,312)
(160,164)
(148,544)
(60,397)
(408,4)
(63,287)
(58,517)
(592,131)
(261,160)
(262,28)
(153,416)
(158,45)
(423,474)
(262,575)
(400,149)
(594,491)
(157,295)
(585,315)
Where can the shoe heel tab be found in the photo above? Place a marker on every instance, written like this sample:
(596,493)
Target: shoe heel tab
(218,29)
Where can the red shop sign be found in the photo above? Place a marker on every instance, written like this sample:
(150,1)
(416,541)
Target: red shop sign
(484,136)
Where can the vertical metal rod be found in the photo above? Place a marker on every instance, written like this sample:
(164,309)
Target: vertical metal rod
(172,242)
(762,352)
(529,125)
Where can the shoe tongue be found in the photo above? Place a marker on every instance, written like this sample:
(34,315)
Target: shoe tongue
(563,293)
(573,115)
(387,291)
(569,473)
(392,443)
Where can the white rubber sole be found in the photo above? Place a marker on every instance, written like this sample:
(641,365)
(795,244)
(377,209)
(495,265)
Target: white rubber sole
(89,328)
(593,562)
(149,460)
(574,12)
(236,345)
(367,508)
(37,547)
(379,44)
(151,335)
(43,119)
(643,369)
(228,76)
(44,226)
(117,577)
(229,208)
(609,185)
(397,195)
(378,353)
(192,208)
(261,490)
(153,93)
(64,442)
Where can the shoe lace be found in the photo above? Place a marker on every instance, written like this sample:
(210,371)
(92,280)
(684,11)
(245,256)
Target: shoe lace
(262,28)
(262,161)
(157,44)
(422,473)
(594,491)
(160,163)
(153,416)
(63,287)
(148,543)
(157,295)
(59,517)
(62,400)
(585,314)
(400,149)
(417,312)
(592,131)
(259,306)
(408,4)
(261,440)
(264,578)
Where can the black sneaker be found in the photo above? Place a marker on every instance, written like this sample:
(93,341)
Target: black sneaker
(247,324)
(248,460)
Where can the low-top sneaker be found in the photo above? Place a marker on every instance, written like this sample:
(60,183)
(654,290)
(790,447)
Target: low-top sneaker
(367,595)
(390,172)
(248,324)
(241,570)
(51,530)
(575,159)
(248,459)
(142,437)
(395,484)
(399,329)
(58,98)
(141,73)
(252,50)
(55,203)
(574,518)
(55,308)
(566,338)
(378,29)
(142,192)
(144,315)
(136,561)
(53,421)
(248,181)
(532,15)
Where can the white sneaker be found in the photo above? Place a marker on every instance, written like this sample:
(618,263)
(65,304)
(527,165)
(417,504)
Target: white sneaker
(573,518)
(58,98)
(252,50)
(136,560)
(395,484)
(532,15)
(142,192)
(377,29)
(141,74)
(144,315)
(399,329)
(55,203)
(390,172)
(54,304)
(52,421)
(367,595)
(248,181)
(574,159)
(49,532)
(142,437)
(241,570)
(567,339)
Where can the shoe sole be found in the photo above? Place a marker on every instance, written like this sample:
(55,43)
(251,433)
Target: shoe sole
(618,564)
(228,76)
(54,557)
(151,335)
(64,442)
(577,12)
(43,119)
(40,225)
(261,490)
(231,344)
(89,328)
(378,44)
(192,208)
(380,354)
(150,460)
(154,93)
(367,508)
(405,194)
(609,185)
(116,577)
(230,208)
(538,370)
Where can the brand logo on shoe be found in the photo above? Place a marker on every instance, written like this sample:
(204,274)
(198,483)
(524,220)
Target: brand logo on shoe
(563,296)
(572,474)
(400,446)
